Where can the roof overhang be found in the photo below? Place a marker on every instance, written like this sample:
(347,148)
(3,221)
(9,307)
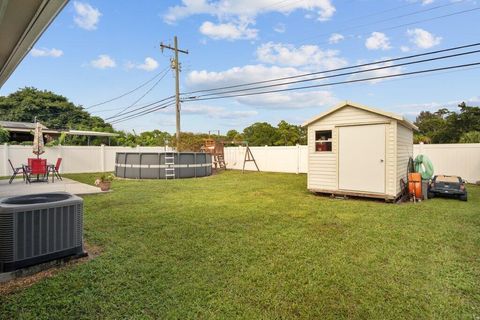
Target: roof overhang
(344,104)
(69,132)
(32,130)
(22,22)
(91,133)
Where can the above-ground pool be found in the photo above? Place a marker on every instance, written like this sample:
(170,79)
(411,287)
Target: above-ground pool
(146,165)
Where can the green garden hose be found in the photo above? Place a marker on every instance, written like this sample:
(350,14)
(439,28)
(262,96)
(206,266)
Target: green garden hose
(424,166)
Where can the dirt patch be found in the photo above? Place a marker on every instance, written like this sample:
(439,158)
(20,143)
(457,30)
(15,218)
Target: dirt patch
(29,280)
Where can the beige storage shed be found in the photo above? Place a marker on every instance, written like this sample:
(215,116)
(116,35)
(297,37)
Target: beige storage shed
(360,151)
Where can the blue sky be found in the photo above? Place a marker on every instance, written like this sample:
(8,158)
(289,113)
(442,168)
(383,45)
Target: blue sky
(96,50)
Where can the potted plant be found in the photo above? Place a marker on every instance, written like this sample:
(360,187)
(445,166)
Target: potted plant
(105,181)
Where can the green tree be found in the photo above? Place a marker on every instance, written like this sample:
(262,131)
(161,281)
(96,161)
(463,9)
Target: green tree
(260,134)
(467,120)
(4,135)
(126,139)
(470,137)
(190,141)
(444,126)
(234,135)
(52,110)
(432,125)
(154,138)
(60,141)
(289,134)
(417,138)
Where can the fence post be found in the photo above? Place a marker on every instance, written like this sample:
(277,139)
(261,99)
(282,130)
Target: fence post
(298,158)
(5,159)
(102,157)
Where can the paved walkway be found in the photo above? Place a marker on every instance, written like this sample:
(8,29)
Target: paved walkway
(18,187)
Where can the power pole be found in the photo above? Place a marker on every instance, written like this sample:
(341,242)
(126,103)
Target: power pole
(177,67)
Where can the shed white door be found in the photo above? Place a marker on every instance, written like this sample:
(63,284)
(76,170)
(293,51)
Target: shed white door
(361,156)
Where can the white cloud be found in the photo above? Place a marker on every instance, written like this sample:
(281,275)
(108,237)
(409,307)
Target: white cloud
(423,39)
(306,55)
(235,18)
(44,52)
(404,49)
(415,108)
(291,100)
(280,28)
(377,73)
(197,80)
(150,64)
(378,40)
(228,31)
(203,79)
(130,65)
(213,111)
(427,2)
(86,17)
(335,38)
(217,112)
(103,62)
(224,9)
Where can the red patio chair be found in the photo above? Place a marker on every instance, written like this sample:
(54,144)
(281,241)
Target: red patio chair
(37,167)
(16,171)
(54,169)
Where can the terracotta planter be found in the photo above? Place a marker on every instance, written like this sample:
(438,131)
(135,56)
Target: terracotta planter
(105,185)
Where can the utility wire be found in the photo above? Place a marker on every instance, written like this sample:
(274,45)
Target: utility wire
(337,83)
(127,93)
(337,69)
(156,108)
(379,12)
(343,74)
(141,97)
(388,19)
(116,108)
(404,24)
(433,18)
(425,71)
(151,105)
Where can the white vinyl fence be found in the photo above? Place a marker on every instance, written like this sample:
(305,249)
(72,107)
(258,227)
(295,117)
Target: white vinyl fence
(450,159)
(75,159)
(461,159)
(275,159)
(453,159)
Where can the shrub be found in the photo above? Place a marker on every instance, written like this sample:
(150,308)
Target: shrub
(4,135)
(470,137)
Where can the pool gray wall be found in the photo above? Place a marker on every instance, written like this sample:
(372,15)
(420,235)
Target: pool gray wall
(142,165)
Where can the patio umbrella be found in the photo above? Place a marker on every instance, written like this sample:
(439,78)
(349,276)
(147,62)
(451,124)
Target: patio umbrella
(38,145)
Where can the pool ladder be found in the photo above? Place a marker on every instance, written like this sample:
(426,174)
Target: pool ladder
(169,162)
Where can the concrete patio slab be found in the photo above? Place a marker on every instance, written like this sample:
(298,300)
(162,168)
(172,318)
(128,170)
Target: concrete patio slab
(19,187)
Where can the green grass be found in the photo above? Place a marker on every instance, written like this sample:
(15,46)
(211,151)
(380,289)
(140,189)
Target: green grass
(259,246)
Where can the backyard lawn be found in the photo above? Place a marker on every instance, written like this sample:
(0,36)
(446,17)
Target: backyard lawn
(259,245)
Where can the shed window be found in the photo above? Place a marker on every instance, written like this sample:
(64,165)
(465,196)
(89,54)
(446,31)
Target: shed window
(323,140)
